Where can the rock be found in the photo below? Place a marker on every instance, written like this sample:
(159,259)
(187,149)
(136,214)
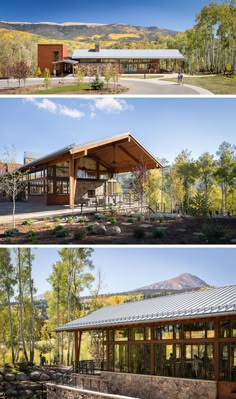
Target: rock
(145,226)
(126,224)
(35,375)
(56,376)
(99,229)
(198,234)
(10,377)
(1,377)
(181,230)
(44,377)
(11,392)
(22,377)
(114,231)
(27,393)
(233,241)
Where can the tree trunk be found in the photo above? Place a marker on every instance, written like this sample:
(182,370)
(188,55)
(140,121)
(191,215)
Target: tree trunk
(32,337)
(11,328)
(21,306)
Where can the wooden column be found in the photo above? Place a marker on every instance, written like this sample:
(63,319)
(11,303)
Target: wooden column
(77,341)
(216,349)
(152,352)
(76,350)
(72,182)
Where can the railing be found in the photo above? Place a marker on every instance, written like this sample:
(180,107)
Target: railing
(115,201)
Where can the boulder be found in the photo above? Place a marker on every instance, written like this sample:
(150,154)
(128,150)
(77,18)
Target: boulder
(11,392)
(114,231)
(99,229)
(35,375)
(27,393)
(22,377)
(1,378)
(44,377)
(10,377)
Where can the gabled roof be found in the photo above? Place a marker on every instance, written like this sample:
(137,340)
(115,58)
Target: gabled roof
(127,53)
(201,303)
(128,151)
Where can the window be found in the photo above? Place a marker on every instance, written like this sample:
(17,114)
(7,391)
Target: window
(121,358)
(62,187)
(228,361)
(55,55)
(87,168)
(140,359)
(121,335)
(91,193)
(137,334)
(194,330)
(62,169)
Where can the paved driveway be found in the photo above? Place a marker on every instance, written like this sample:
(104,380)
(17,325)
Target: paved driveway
(135,86)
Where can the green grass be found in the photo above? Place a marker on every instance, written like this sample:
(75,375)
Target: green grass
(65,89)
(216,84)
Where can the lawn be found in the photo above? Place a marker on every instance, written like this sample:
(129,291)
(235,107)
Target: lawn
(142,76)
(120,228)
(216,84)
(81,89)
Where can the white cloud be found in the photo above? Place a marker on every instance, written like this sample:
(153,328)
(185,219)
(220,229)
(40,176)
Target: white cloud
(111,105)
(72,113)
(55,108)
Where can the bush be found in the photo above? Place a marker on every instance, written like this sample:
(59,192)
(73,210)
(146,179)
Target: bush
(97,83)
(130,220)
(27,222)
(89,227)
(62,233)
(214,232)
(11,233)
(158,233)
(139,233)
(113,221)
(57,220)
(161,219)
(69,219)
(99,216)
(80,234)
(33,236)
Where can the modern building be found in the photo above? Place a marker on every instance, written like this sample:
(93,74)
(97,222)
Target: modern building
(82,174)
(55,57)
(171,344)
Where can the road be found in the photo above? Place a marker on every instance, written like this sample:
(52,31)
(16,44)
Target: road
(136,86)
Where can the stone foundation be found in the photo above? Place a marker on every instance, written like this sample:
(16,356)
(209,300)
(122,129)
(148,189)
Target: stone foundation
(155,387)
(65,392)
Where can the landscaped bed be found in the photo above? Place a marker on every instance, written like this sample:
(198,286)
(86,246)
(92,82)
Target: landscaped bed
(109,228)
(217,84)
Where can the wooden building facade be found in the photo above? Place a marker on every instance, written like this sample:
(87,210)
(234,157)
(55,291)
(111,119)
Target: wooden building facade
(78,174)
(185,336)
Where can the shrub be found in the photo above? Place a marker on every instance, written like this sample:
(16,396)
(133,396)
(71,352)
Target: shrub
(139,233)
(33,236)
(158,233)
(62,233)
(214,232)
(27,222)
(99,216)
(113,221)
(97,83)
(57,220)
(57,230)
(89,227)
(161,219)
(11,233)
(69,219)
(130,220)
(80,234)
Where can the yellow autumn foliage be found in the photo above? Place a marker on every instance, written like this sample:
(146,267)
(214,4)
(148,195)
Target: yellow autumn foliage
(117,36)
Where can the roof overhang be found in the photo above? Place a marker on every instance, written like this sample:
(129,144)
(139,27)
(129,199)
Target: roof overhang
(65,62)
(120,154)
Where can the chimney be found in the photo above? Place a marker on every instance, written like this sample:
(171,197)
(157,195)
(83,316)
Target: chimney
(97,47)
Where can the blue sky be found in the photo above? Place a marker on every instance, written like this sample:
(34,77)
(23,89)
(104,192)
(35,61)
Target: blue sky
(164,125)
(172,14)
(129,268)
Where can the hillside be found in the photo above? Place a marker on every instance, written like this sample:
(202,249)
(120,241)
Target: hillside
(184,281)
(88,32)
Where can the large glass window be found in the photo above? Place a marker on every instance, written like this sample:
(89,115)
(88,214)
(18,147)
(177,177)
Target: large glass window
(137,334)
(228,328)
(228,361)
(62,169)
(121,358)
(168,331)
(187,360)
(140,359)
(194,330)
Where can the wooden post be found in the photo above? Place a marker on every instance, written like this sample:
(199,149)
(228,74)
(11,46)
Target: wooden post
(72,182)
(76,351)
(77,348)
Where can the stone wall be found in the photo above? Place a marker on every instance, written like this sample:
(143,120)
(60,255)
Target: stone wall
(65,392)
(155,387)
(82,187)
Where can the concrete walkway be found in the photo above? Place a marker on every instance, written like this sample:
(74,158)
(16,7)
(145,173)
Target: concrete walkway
(26,210)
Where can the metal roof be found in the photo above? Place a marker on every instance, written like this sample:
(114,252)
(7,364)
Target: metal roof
(210,302)
(128,54)
(65,61)
(83,146)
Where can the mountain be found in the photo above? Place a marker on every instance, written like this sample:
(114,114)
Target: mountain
(184,281)
(88,31)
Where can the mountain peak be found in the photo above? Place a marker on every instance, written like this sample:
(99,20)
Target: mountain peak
(181,282)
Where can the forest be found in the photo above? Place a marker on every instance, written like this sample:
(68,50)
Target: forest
(28,324)
(208,47)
